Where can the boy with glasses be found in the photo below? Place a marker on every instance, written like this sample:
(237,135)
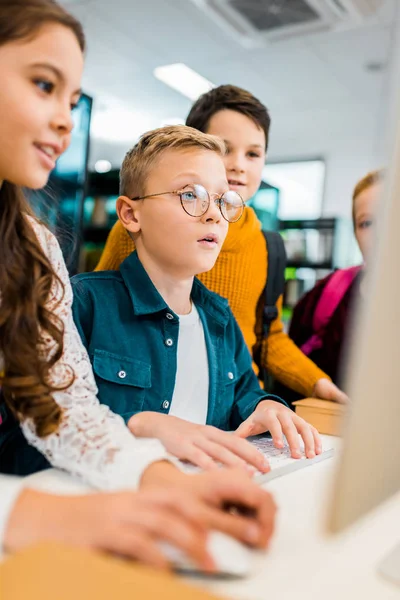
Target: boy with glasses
(167,353)
(241,271)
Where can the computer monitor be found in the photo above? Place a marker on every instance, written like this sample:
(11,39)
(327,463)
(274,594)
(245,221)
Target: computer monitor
(369,467)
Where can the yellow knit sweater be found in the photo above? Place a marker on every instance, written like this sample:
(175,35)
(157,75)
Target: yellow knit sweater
(239,275)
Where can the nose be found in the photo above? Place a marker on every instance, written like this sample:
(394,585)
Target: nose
(234,162)
(213,214)
(62,120)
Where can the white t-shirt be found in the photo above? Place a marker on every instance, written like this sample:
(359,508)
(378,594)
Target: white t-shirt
(190,397)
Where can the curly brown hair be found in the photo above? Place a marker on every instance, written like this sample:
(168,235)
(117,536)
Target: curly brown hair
(27,278)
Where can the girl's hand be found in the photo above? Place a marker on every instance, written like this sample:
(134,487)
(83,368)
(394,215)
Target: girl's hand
(202,445)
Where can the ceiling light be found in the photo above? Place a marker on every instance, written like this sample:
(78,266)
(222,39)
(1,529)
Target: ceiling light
(184,80)
(102,166)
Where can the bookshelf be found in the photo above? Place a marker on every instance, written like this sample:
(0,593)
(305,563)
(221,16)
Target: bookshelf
(314,248)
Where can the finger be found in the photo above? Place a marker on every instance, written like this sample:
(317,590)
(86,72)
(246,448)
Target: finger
(219,453)
(290,432)
(134,543)
(232,487)
(275,429)
(241,448)
(245,429)
(198,457)
(168,525)
(255,530)
(341,397)
(245,450)
(248,530)
(317,440)
(176,500)
(306,433)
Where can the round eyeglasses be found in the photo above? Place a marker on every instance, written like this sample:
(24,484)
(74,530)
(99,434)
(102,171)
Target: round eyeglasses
(195,201)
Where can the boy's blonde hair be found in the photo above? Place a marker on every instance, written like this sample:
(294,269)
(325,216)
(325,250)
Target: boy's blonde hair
(142,157)
(366,182)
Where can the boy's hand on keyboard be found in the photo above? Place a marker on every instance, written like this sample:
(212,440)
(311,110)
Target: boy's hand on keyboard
(202,445)
(281,421)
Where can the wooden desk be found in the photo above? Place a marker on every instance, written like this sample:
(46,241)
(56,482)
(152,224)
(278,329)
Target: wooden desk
(57,572)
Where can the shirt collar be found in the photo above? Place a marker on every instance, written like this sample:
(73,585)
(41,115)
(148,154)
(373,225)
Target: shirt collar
(147,300)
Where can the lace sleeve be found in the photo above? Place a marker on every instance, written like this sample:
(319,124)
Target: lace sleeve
(92,442)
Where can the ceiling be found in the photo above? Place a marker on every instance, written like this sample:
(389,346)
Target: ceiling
(318,79)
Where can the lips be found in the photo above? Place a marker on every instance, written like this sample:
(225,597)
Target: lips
(211,238)
(48,154)
(53,151)
(235,183)
(209,241)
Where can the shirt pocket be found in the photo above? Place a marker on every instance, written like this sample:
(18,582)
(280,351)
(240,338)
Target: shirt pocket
(122,382)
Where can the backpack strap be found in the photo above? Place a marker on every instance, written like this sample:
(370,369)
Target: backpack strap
(274,288)
(275,277)
(331,296)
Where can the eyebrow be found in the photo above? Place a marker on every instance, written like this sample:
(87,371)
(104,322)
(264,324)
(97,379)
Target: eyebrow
(250,146)
(56,72)
(222,183)
(364,216)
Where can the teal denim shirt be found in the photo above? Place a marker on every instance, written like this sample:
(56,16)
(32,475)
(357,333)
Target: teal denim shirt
(131,336)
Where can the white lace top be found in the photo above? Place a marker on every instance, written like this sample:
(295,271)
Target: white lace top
(92,442)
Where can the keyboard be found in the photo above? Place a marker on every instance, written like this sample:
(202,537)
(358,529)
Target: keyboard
(280,461)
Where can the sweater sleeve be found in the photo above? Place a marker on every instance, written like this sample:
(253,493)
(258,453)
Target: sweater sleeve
(286,362)
(118,246)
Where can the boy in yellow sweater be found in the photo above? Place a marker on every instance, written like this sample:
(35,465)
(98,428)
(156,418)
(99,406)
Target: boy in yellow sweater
(241,269)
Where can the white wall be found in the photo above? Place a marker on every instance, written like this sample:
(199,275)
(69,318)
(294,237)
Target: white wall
(347,142)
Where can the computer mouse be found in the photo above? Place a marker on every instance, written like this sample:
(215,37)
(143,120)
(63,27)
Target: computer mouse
(231,557)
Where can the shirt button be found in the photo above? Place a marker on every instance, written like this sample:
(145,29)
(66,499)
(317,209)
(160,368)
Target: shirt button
(169,342)
(230,375)
(122,374)
(169,316)
(165,404)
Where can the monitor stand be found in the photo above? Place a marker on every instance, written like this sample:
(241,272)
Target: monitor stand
(390,566)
